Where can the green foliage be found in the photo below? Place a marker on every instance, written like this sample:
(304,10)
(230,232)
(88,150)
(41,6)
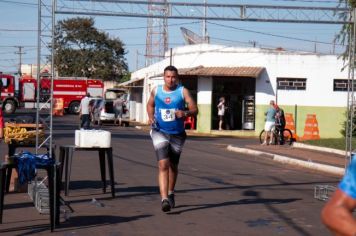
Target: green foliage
(336,143)
(126,77)
(352,3)
(344,125)
(81,50)
(344,35)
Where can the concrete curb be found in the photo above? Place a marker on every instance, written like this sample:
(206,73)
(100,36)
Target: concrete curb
(248,151)
(317,148)
(291,161)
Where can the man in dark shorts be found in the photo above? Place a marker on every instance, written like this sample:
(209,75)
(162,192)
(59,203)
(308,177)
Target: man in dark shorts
(166,114)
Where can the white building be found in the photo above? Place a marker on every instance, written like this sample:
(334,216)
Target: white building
(302,83)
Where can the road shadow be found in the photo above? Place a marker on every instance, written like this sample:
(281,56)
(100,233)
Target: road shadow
(76,222)
(238,202)
(281,215)
(136,191)
(87,184)
(80,222)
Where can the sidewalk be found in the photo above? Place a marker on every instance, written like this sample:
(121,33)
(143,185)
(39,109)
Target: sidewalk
(326,161)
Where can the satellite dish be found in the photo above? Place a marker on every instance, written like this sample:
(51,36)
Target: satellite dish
(190,37)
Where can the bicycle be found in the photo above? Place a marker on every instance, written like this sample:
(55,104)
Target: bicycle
(287,135)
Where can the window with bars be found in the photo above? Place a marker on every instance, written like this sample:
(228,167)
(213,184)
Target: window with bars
(291,83)
(342,85)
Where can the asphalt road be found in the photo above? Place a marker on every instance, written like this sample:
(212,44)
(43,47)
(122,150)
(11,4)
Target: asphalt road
(218,192)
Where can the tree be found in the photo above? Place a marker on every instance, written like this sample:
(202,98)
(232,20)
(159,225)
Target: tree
(346,30)
(82,50)
(126,77)
(344,126)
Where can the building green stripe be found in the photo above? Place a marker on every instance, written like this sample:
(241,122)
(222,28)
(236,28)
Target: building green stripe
(330,120)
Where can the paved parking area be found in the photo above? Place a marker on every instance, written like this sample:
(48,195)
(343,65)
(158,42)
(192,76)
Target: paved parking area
(218,192)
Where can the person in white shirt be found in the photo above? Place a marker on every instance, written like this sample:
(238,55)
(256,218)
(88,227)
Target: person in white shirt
(84,112)
(221,111)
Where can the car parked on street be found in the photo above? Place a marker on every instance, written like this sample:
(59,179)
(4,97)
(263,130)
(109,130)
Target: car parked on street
(102,110)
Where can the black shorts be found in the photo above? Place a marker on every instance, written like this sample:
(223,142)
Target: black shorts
(168,145)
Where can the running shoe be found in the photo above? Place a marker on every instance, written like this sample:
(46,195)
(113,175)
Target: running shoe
(171,200)
(165,205)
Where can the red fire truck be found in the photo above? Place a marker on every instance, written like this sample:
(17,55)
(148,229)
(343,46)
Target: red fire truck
(22,92)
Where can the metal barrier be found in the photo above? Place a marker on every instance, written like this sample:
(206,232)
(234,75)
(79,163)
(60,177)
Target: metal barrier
(38,193)
(323,192)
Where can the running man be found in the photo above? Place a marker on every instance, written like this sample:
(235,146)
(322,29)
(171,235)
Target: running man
(166,114)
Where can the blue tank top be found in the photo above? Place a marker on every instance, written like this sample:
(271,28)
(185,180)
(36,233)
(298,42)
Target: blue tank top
(166,103)
(348,182)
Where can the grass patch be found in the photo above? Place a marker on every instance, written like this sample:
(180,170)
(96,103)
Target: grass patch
(336,143)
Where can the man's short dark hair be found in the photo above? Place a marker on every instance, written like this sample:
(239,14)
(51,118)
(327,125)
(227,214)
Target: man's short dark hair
(171,68)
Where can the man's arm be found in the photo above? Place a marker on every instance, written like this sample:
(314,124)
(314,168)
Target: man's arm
(337,214)
(80,108)
(150,107)
(192,106)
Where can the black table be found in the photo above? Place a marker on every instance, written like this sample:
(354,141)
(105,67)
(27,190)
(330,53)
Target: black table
(53,188)
(12,149)
(66,157)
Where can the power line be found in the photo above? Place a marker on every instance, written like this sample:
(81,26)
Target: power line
(266,46)
(18,30)
(145,27)
(109,29)
(12,46)
(274,35)
(20,3)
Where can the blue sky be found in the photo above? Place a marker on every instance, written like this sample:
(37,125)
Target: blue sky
(18,22)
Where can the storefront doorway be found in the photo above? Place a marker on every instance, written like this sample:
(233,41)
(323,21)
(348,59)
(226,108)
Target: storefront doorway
(239,94)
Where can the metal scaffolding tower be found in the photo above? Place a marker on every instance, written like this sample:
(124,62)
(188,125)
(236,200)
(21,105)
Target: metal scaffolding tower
(157,32)
(204,11)
(45,52)
(351,100)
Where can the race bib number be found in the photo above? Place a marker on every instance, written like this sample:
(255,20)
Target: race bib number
(168,115)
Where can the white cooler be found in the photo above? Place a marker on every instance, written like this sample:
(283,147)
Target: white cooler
(93,138)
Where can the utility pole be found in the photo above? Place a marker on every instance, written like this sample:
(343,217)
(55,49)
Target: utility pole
(205,31)
(253,42)
(315,45)
(334,42)
(136,59)
(157,31)
(20,58)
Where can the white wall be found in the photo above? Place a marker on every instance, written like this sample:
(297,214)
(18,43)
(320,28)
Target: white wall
(205,90)
(319,70)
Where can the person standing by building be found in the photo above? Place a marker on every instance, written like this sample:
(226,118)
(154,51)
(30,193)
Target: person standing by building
(280,123)
(84,112)
(166,114)
(270,122)
(119,108)
(221,112)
